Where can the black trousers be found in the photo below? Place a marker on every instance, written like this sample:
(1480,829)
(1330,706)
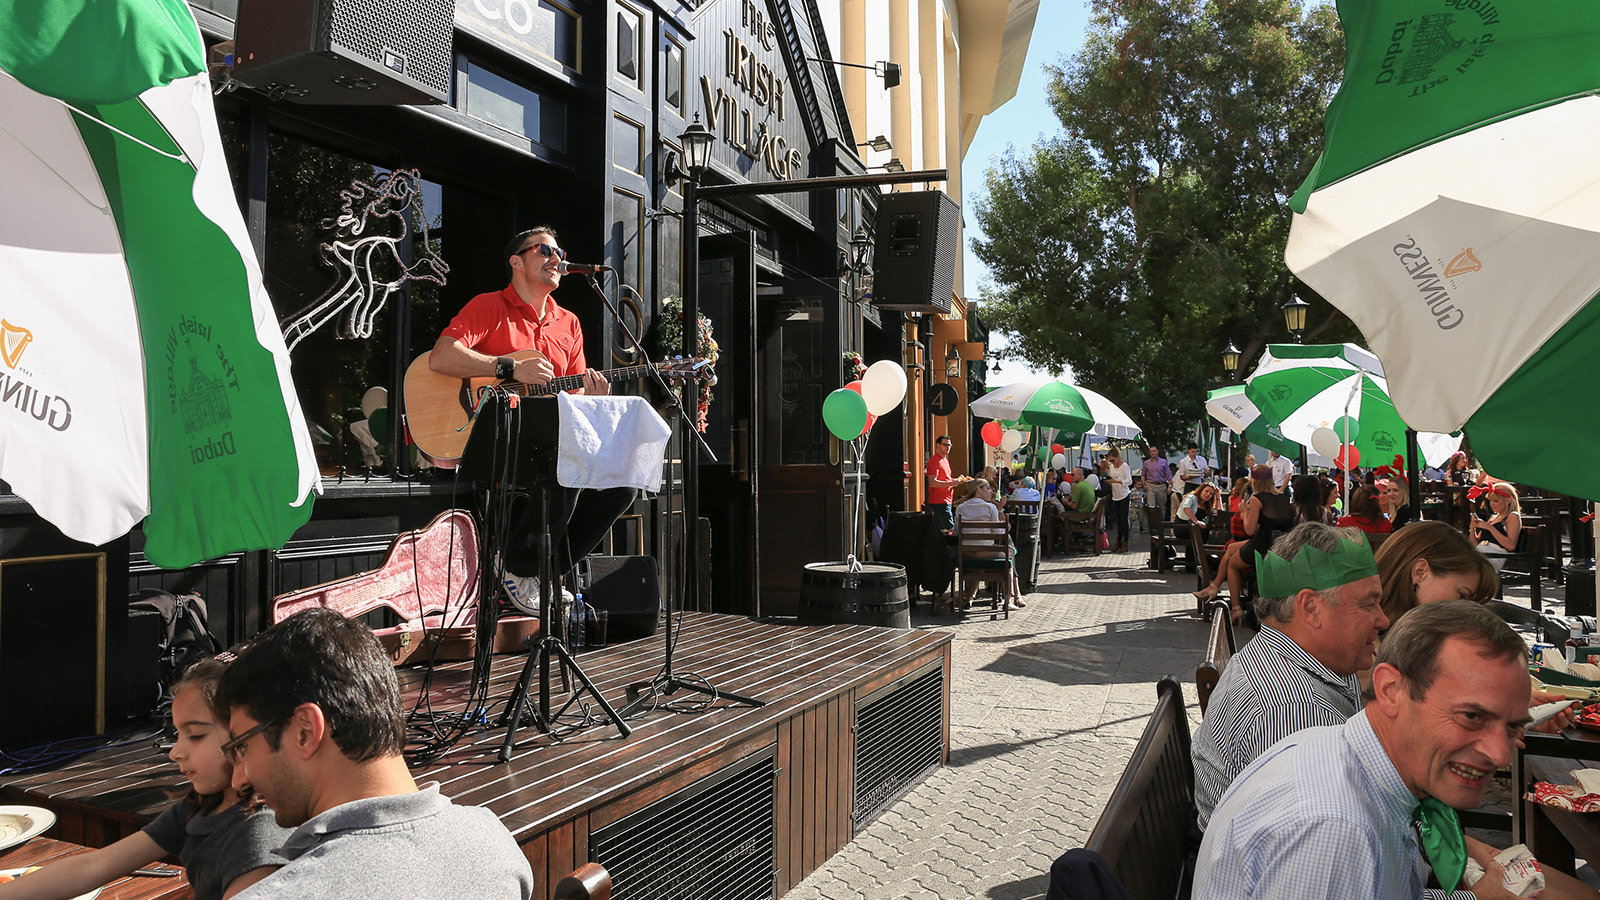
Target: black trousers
(579,521)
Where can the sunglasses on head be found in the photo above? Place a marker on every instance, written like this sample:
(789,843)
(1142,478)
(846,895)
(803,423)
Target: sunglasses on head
(545,250)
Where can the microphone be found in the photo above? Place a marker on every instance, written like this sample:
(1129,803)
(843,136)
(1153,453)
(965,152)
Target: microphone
(571,268)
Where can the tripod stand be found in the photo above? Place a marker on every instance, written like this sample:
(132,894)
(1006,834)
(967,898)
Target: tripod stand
(529,434)
(666,682)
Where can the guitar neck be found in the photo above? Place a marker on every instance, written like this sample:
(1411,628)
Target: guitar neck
(575,382)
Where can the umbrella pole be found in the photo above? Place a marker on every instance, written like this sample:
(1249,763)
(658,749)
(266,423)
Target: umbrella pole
(1413,478)
(1347,401)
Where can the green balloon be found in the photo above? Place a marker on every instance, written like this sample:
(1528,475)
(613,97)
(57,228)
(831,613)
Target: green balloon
(845,413)
(1343,422)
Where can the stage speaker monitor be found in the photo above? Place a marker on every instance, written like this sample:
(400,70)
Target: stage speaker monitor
(366,52)
(914,260)
(627,587)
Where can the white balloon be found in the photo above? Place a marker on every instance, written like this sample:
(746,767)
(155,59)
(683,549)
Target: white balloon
(883,387)
(1010,441)
(1059,461)
(372,399)
(1325,441)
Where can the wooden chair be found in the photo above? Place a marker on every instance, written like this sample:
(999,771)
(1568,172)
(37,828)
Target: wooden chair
(1526,564)
(1376,540)
(1207,557)
(1089,525)
(1143,832)
(589,881)
(1023,507)
(1546,513)
(983,554)
(1219,649)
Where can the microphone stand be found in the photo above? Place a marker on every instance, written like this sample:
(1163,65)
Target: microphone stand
(666,682)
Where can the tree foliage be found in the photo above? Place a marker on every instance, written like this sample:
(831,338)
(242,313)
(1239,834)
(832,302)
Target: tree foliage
(1134,244)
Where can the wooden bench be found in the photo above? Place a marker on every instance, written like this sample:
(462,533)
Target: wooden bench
(1219,649)
(1089,525)
(1143,833)
(589,881)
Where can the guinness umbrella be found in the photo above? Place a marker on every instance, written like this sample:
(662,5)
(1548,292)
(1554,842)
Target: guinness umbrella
(1235,411)
(142,371)
(1338,386)
(1454,215)
(1075,411)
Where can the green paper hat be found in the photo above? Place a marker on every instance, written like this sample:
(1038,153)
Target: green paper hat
(1315,569)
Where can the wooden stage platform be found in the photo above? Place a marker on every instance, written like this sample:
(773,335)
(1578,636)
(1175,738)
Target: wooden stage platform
(726,802)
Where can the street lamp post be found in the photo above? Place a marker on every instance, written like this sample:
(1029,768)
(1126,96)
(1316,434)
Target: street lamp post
(1230,360)
(697,141)
(1294,316)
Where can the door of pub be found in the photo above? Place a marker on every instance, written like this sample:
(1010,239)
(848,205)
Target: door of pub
(729,496)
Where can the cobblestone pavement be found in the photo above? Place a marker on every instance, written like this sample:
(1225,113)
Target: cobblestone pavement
(1046,707)
(1045,710)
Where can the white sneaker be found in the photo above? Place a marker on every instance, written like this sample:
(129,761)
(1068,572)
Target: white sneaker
(522,591)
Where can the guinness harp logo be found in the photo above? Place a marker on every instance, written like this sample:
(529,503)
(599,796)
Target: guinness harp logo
(13,341)
(1463,263)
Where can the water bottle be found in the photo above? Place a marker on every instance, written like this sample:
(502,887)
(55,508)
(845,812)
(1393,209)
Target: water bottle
(579,625)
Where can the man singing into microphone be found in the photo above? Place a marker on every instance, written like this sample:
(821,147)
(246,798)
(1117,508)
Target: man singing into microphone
(523,316)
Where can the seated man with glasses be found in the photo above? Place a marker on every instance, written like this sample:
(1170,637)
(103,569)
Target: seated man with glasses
(313,706)
(478,342)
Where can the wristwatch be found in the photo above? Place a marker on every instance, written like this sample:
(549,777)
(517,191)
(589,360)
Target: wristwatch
(505,367)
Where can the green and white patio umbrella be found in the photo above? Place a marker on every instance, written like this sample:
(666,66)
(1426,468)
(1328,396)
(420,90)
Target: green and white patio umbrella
(142,371)
(1306,387)
(1454,216)
(1075,411)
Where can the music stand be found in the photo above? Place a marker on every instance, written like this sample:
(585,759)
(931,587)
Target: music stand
(524,439)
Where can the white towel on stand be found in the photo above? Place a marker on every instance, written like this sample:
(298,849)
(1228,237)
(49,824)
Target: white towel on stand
(609,442)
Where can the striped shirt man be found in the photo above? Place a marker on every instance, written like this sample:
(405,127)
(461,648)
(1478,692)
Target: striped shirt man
(1322,814)
(1271,689)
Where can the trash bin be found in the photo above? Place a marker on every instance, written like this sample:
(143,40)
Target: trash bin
(1580,589)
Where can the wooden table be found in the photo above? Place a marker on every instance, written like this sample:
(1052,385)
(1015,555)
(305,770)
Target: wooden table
(44,851)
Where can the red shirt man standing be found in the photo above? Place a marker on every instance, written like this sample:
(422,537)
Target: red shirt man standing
(941,484)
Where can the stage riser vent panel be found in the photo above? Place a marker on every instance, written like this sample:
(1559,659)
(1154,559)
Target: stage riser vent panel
(899,736)
(714,840)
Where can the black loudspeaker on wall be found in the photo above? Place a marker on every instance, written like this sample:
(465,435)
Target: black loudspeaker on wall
(914,260)
(627,587)
(368,52)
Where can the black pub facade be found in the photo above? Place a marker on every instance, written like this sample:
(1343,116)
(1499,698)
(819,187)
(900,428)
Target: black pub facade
(559,112)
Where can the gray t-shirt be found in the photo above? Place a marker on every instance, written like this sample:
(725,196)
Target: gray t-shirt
(415,846)
(217,847)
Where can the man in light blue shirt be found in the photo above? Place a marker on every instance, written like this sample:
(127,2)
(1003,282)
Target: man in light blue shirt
(1328,812)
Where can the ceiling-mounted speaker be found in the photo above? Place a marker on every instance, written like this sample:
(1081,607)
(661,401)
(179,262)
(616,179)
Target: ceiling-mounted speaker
(353,52)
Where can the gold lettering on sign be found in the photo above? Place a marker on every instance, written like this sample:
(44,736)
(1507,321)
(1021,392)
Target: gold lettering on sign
(743,123)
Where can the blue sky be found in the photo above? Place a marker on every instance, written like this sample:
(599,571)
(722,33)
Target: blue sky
(1058,30)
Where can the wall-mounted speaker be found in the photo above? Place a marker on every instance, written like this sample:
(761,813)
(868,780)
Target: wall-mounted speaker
(914,257)
(366,52)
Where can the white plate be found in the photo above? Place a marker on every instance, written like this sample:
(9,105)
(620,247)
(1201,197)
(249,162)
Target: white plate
(23,823)
(18,872)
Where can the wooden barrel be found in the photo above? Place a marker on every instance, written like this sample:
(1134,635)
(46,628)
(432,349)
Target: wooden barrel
(830,594)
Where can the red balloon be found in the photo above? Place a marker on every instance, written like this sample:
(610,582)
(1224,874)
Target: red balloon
(992,433)
(1057,448)
(870,419)
(855,386)
(1349,457)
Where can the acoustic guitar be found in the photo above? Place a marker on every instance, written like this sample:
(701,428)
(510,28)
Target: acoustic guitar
(440,409)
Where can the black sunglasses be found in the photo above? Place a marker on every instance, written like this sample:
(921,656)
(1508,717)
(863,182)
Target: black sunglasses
(545,249)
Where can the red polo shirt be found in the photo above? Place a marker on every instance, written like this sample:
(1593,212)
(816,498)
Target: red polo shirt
(499,323)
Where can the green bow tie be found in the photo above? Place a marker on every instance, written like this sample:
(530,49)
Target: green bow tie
(1443,841)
